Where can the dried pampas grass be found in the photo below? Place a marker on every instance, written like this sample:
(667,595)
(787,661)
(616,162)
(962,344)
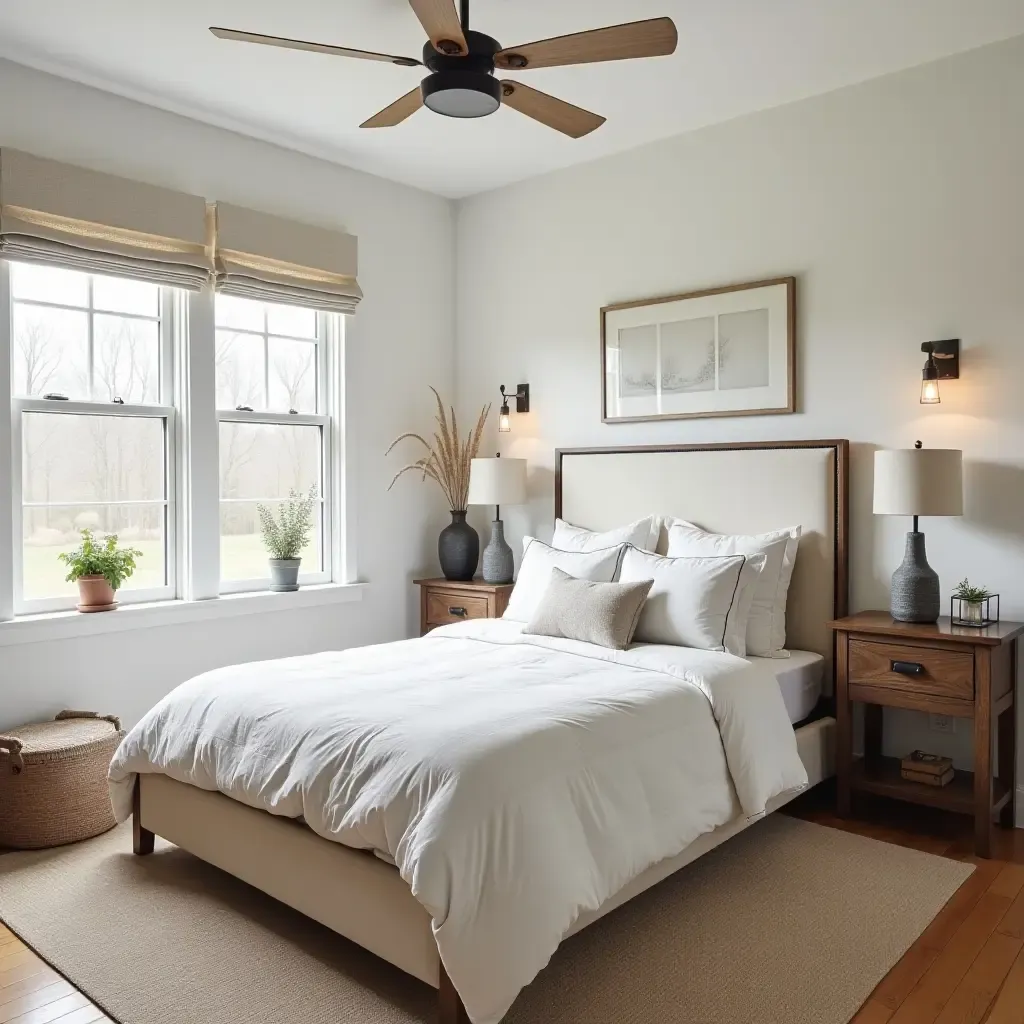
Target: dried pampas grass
(447,460)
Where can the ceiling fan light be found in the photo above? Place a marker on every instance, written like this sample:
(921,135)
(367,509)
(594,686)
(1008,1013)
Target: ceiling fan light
(461,93)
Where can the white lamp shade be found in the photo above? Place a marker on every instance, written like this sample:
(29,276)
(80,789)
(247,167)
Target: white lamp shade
(497,482)
(919,482)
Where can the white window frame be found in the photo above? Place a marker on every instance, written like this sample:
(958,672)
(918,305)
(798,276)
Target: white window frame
(328,360)
(170,333)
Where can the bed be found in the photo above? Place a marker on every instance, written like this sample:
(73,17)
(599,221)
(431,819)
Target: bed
(363,897)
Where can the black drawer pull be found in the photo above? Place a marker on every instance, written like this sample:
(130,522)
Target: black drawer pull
(907,668)
(456,610)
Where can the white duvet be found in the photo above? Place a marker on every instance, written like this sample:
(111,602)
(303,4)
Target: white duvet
(515,781)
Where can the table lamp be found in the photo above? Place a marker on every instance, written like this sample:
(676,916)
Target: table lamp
(497,482)
(917,482)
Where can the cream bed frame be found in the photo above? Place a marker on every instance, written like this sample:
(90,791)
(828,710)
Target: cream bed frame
(748,488)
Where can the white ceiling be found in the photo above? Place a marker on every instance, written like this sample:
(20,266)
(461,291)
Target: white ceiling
(734,57)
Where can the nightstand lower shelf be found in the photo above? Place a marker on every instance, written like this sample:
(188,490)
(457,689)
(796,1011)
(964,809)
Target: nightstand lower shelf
(881,776)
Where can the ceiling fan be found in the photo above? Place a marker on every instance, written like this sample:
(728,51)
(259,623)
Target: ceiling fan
(462,65)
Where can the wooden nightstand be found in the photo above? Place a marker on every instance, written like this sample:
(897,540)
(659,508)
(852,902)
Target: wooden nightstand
(940,668)
(443,601)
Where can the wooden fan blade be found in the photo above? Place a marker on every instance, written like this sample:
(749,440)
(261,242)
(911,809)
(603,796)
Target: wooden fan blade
(440,20)
(549,110)
(300,44)
(405,106)
(654,38)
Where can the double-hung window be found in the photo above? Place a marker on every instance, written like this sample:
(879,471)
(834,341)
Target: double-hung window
(93,387)
(274,401)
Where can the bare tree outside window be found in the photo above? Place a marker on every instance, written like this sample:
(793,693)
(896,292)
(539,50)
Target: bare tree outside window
(268,364)
(91,340)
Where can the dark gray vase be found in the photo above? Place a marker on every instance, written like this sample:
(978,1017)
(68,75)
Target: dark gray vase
(458,549)
(915,585)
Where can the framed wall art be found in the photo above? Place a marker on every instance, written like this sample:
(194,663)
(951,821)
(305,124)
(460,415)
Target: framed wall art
(721,352)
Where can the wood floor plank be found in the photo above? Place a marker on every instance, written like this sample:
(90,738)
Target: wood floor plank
(54,1011)
(33,1000)
(973,996)
(10,949)
(1013,921)
(1009,881)
(1008,1007)
(872,1012)
(87,1015)
(9,963)
(28,986)
(927,999)
(29,970)
(900,981)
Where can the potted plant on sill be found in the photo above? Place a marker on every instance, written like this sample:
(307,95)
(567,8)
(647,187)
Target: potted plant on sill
(285,535)
(447,462)
(100,568)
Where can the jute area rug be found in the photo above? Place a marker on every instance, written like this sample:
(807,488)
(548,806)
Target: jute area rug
(787,923)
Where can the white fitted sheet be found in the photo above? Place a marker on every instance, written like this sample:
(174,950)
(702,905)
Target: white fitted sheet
(799,678)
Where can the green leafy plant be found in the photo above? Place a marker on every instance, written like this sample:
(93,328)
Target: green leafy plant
(100,558)
(965,592)
(287,533)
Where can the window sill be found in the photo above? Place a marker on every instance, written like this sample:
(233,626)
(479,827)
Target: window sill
(30,629)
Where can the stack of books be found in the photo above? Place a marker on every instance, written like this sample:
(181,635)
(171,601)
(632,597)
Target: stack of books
(929,769)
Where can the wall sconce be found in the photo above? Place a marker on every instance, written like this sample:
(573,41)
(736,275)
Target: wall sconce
(522,397)
(943,364)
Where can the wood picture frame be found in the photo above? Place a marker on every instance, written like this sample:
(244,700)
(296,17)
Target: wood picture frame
(651,381)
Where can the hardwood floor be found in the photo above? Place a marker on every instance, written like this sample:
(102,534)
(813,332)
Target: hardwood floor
(966,968)
(31,992)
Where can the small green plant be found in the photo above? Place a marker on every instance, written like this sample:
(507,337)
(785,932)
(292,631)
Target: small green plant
(100,558)
(965,592)
(286,534)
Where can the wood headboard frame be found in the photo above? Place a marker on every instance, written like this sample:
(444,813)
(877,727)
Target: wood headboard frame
(841,492)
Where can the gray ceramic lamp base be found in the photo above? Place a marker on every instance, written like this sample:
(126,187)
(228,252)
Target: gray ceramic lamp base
(498,563)
(915,585)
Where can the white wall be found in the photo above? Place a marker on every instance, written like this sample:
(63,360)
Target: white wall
(398,342)
(898,205)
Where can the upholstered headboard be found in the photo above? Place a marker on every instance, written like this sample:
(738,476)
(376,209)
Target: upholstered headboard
(730,488)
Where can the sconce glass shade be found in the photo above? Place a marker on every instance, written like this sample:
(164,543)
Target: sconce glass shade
(930,383)
(504,426)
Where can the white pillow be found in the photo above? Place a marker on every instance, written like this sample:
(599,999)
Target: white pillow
(535,573)
(695,602)
(766,627)
(643,534)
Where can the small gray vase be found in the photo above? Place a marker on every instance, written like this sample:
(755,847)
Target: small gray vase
(915,585)
(498,563)
(284,574)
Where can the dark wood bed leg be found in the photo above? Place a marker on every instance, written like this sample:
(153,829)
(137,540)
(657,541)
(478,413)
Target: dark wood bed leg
(449,1004)
(142,838)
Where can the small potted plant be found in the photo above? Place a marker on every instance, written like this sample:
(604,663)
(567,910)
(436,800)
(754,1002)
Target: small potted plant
(100,568)
(285,535)
(972,609)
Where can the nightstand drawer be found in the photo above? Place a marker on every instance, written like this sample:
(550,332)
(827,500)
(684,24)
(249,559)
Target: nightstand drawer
(451,606)
(924,670)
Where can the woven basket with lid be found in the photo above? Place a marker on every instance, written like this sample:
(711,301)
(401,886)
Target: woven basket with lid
(53,780)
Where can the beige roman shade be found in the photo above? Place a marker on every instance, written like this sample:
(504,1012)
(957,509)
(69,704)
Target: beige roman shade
(85,220)
(272,259)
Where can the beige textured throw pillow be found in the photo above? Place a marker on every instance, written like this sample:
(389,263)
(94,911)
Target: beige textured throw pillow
(596,613)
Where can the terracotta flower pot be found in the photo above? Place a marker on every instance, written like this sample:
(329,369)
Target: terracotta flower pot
(95,594)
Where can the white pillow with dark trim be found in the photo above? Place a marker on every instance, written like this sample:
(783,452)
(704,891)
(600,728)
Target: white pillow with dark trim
(694,602)
(535,573)
(643,534)
(766,626)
